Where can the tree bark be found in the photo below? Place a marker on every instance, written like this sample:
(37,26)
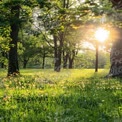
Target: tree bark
(13,67)
(43,60)
(116,51)
(70,63)
(116,57)
(96,62)
(65,60)
(25,63)
(117,3)
(2,64)
(57,54)
(71,59)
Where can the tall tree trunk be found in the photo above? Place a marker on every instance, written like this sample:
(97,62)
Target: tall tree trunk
(2,64)
(58,43)
(71,59)
(70,63)
(13,67)
(65,60)
(43,60)
(57,54)
(116,52)
(25,63)
(116,57)
(96,62)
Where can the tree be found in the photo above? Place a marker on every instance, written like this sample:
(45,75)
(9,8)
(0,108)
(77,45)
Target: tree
(116,56)
(32,46)
(4,36)
(15,11)
(72,44)
(53,20)
(56,17)
(116,51)
(13,67)
(27,48)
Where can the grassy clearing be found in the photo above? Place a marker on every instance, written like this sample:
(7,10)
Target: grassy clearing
(69,96)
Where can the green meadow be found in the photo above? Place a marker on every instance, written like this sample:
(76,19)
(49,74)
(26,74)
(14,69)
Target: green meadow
(69,96)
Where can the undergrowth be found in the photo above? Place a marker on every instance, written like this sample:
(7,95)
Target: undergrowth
(68,96)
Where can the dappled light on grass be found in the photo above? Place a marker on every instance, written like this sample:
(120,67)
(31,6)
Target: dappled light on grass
(69,96)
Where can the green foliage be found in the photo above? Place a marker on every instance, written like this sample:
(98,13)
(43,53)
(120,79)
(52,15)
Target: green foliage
(31,3)
(4,44)
(25,14)
(10,3)
(53,18)
(28,46)
(86,59)
(73,95)
(44,3)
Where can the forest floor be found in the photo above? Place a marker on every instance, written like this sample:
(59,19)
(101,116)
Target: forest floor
(77,95)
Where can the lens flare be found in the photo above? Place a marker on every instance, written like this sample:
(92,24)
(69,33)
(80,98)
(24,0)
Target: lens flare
(101,34)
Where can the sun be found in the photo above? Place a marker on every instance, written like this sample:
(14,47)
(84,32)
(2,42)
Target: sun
(101,34)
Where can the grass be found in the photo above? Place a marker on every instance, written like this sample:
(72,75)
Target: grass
(68,96)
